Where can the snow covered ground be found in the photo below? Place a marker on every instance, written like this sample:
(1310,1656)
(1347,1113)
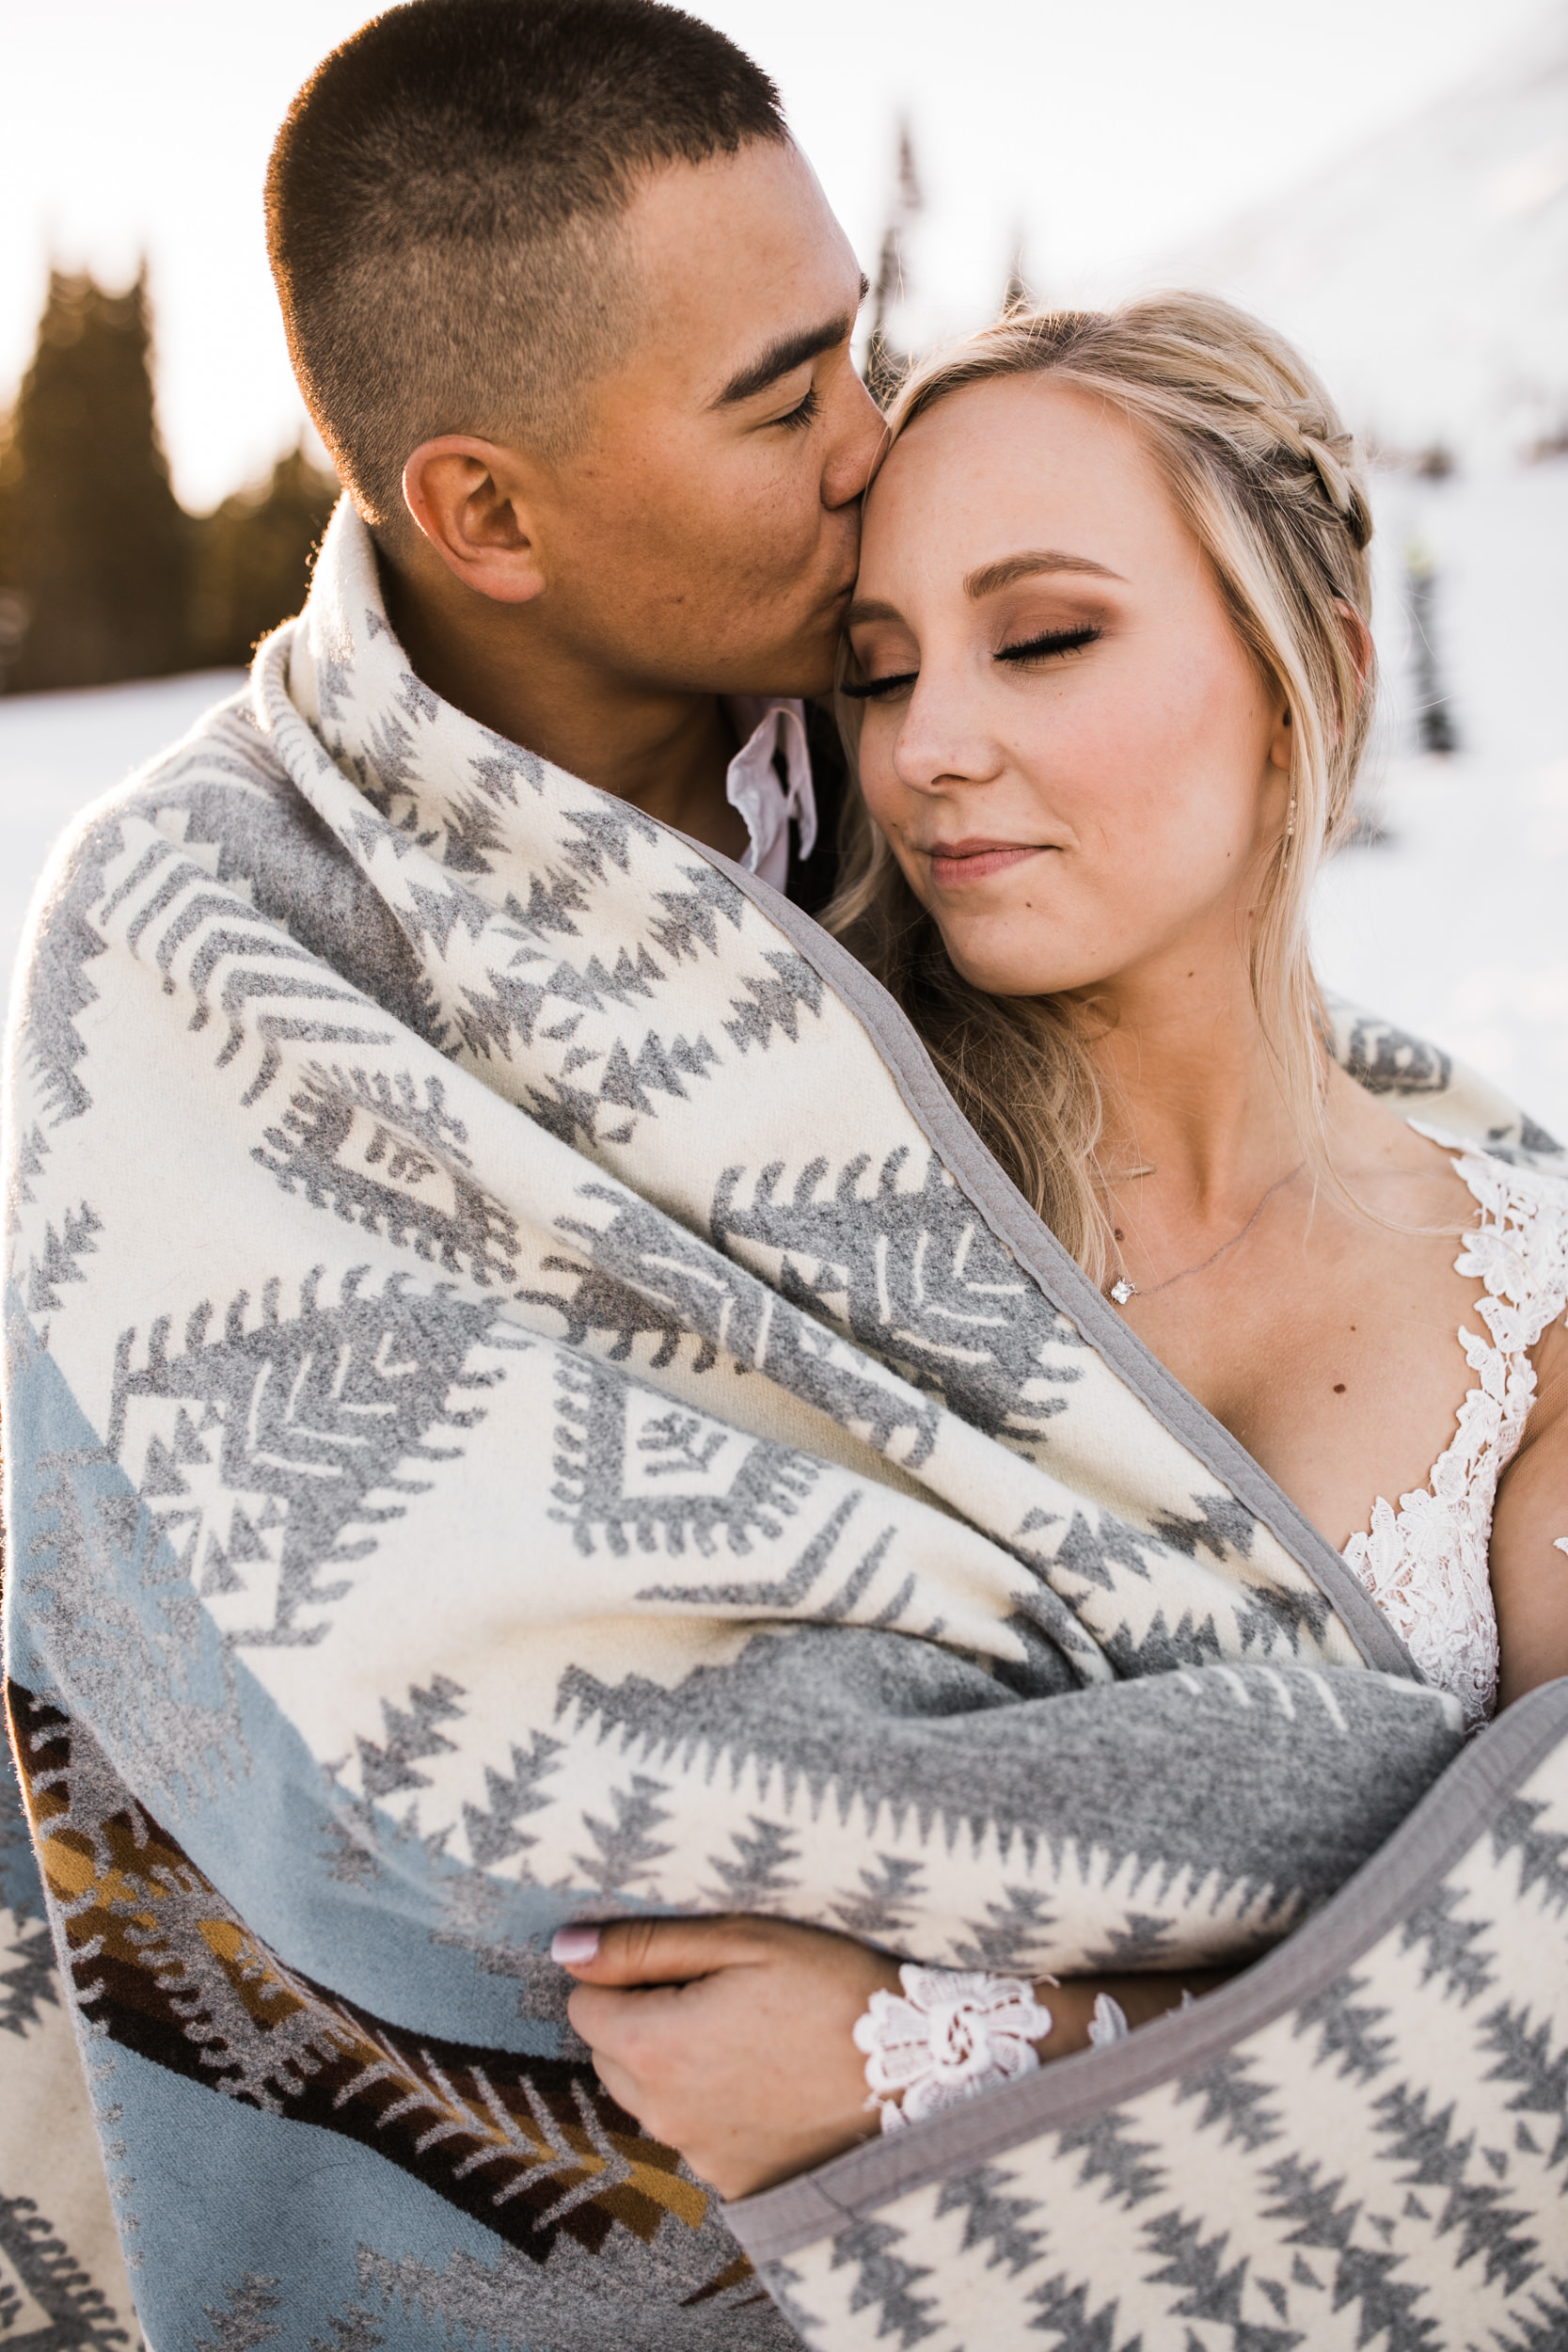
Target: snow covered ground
(1423,273)
(1456,923)
(59,752)
(1453,925)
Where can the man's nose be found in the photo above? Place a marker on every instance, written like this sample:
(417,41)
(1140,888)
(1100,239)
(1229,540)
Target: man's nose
(858,438)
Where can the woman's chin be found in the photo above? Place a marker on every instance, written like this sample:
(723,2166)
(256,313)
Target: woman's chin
(1004,975)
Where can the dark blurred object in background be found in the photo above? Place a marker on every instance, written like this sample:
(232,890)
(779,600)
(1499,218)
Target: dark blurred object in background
(886,364)
(253,559)
(97,548)
(102,574)
(1434,712)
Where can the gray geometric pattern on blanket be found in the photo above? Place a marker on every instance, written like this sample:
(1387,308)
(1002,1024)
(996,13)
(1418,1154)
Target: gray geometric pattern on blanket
(456,1224)
(1386,1060)
(1378,2155)
(520,1398)
(237,818)
(917,1275)
(323,1413)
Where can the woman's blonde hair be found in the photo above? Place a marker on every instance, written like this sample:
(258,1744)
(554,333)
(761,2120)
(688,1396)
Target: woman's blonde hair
(1266,476)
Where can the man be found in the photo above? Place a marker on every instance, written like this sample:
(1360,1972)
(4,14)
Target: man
(573,316)
(522,1399)
(611,451)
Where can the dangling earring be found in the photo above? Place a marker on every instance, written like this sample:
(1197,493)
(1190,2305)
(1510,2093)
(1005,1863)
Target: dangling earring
(1291,818)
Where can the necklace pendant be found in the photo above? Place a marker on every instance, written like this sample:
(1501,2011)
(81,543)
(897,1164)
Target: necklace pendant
(1122,1291)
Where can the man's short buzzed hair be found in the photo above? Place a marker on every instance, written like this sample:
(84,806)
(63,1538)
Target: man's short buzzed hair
(443,205)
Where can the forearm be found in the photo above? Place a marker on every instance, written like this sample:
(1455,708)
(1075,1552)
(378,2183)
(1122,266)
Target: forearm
(1140,1998)
(735,2039)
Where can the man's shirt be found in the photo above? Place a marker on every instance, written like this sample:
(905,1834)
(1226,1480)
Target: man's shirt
(769,783)
(786,782)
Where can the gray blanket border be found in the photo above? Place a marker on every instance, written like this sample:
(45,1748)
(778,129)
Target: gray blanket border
(1019,1228)
(780,2221)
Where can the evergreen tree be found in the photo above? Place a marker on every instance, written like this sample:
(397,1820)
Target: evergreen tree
(96,547)
(253,559)
(103,574)
(886,365)
(1434,725)
(14,611)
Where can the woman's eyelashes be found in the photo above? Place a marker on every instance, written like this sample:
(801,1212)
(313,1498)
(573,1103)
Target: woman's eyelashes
(874,689)
(1047,644)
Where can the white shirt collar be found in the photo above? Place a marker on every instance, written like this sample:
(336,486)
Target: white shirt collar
(768,727)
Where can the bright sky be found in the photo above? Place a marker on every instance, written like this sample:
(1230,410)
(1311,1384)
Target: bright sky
(1103,129)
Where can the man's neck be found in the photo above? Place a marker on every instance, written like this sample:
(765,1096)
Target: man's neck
(668,753)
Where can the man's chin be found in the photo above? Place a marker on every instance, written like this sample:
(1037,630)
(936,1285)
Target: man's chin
(802,672)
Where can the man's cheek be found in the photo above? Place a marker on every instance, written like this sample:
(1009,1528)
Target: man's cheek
(780,553)
(775,513)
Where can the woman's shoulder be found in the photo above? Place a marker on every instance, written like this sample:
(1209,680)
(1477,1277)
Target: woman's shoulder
(1404,1173)
(1518,1247)
(1484,1212)
(1534,1175)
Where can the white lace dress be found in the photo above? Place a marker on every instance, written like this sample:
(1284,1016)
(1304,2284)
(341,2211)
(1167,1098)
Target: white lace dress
(1426,1565)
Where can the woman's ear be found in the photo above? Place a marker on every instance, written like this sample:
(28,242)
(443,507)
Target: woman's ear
(472,501)
(1281,747)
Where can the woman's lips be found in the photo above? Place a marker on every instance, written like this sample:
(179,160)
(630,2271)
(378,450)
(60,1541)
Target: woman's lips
(954,862)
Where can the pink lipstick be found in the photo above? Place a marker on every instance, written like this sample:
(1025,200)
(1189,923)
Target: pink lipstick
(954,862)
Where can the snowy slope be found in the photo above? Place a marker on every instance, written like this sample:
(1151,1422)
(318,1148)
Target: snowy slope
(1426,273)
(1456,925)
(59,752)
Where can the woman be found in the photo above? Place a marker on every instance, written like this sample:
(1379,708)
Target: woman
(1108,681)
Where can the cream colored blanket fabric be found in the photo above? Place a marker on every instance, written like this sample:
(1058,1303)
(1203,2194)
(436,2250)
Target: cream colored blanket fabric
(523,1400)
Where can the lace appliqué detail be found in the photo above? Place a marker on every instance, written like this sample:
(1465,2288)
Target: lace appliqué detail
(950,2035)
(1426,1565)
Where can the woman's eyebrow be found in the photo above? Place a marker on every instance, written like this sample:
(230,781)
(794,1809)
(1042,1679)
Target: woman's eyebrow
(870,609)
(990,576)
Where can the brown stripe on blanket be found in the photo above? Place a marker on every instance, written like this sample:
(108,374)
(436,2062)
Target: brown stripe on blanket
(534,2148)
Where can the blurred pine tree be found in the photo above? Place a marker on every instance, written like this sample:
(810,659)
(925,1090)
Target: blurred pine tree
(96,548)
(14,613)
(253,559)
(886,365)
(102,574)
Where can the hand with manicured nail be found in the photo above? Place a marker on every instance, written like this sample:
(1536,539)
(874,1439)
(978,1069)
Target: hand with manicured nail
(732,2040)
(729,2039)
(571,1945)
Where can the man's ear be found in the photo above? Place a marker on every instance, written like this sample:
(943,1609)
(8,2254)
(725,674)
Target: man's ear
(472,501)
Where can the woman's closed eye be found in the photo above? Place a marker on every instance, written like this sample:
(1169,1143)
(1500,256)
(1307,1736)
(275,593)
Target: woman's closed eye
(872,690)
(1050,643)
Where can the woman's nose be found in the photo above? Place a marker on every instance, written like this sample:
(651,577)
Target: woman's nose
(943,740)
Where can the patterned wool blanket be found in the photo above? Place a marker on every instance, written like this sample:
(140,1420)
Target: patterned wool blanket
(523,1399)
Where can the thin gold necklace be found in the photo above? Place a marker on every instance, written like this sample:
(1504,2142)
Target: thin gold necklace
(1122,1289)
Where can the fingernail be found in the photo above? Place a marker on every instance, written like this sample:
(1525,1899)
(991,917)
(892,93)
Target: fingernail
(572,1945)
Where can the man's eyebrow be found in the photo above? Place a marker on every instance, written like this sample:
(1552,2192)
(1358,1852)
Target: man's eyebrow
(990,576)
(783,357)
